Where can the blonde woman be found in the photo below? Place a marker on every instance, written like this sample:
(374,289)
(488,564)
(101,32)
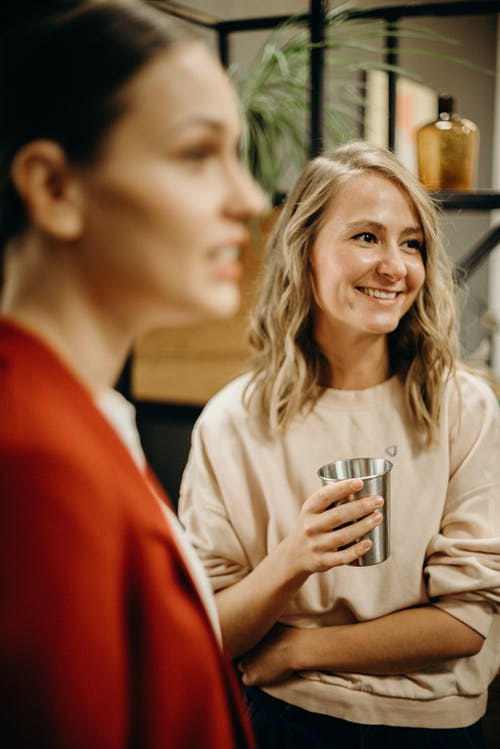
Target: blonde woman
(355,354)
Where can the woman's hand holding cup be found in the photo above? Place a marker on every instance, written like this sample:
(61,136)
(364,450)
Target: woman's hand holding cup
(329,532)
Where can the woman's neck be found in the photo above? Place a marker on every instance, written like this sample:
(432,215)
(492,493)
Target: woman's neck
(357,363)
(50,300)
(357,378)
(84,348)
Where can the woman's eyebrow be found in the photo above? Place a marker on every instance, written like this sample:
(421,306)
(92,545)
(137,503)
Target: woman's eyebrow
(213,123)
(365,223)
(377,226)
(412,230)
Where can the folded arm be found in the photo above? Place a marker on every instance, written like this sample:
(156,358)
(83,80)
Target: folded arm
(402,642)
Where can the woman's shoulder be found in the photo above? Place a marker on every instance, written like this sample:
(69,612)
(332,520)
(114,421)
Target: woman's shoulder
(473,386)
(468,398)
(230,403)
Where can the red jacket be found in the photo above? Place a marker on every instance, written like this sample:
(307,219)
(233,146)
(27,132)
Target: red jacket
(103,640)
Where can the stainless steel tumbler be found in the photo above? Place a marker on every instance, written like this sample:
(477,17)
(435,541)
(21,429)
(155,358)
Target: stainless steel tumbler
(376,474)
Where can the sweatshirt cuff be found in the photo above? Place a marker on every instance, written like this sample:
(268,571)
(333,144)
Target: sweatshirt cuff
(476,615)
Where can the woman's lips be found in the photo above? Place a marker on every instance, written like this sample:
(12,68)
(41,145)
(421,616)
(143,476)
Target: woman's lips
(228,265)
(378,293)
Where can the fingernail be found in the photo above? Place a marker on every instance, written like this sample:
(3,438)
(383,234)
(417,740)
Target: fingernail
(356,484)
(378,501)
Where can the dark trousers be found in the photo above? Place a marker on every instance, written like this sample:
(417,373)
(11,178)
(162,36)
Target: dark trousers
(278,725)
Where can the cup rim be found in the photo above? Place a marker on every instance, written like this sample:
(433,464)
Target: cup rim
(388,466)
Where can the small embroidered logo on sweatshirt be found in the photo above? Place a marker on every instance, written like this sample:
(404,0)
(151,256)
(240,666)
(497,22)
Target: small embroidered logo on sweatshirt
(391,450)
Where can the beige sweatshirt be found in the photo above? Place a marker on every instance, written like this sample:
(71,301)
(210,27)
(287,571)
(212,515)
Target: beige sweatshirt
(241,493)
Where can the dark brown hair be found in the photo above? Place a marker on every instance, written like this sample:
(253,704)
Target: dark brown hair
(63,65)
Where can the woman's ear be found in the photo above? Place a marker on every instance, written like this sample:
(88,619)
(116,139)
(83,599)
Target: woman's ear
(48,186)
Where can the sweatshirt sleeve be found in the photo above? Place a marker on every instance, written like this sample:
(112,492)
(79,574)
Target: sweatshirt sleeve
(463,561)
(212,472)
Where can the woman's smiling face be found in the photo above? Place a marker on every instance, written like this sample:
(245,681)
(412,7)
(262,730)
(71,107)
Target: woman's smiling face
(367,260)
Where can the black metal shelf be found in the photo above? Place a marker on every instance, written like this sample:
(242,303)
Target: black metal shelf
(479,200)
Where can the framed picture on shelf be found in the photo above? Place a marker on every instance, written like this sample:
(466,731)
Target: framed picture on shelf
(416,104)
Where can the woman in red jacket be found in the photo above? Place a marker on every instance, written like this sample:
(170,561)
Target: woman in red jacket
(123,206)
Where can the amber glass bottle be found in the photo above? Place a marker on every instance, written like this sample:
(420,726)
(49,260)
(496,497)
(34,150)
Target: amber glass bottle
(447,150)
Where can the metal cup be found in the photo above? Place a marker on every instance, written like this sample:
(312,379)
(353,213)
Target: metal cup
(375,473)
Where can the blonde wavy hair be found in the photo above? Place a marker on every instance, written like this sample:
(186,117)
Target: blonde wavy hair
(289,369)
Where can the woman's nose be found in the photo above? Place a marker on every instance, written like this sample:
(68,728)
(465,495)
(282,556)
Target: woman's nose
(246,199)
(391,263)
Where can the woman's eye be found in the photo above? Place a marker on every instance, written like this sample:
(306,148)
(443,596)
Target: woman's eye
(198,152)
(413,245)
(366,237)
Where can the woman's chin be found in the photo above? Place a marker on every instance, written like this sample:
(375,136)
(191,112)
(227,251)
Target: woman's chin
(221,305)
(224,304)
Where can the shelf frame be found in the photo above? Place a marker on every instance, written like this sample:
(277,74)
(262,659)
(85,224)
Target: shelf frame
(315,19)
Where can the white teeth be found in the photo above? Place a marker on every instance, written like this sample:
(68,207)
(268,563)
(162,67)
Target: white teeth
(378,294)
(228,253)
